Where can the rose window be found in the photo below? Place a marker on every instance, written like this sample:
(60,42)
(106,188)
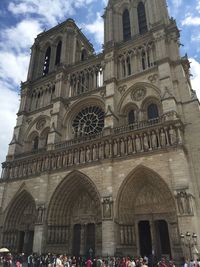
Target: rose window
(89,120)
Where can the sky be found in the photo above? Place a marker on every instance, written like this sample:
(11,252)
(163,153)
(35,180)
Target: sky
(22,20)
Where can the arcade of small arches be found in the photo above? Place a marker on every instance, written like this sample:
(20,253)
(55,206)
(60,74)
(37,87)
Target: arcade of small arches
(76,215)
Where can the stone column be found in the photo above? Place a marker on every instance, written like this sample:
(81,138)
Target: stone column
(82,242)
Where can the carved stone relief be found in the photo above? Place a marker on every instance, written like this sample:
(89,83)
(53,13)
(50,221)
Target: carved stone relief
(184,203)
(139,94)
(107,207)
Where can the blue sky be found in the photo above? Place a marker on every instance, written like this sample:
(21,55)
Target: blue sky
(22,20)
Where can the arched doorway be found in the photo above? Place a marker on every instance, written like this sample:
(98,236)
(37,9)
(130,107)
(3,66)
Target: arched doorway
(74,217)
(147,216)
(18,231)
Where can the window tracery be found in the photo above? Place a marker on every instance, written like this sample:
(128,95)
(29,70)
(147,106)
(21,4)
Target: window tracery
(47,61)
(142,21)
(126,25)
(152,111)
(89,120)
(58,52)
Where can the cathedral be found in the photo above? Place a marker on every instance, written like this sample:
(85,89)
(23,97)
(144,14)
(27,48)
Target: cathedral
(105,152)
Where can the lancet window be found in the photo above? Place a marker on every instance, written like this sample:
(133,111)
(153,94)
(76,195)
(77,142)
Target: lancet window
(36,143)
(132,116)
(126,25)
(152,111)
(58,52)
(142,21)
(47,61)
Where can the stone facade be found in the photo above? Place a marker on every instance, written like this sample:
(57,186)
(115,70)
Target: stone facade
(105,153)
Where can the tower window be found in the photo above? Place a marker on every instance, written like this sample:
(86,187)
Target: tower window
(47,61)
(131,117)
(35,143)
(152,111)
(58,53)
(128,66)
(83,55)
(126,26)
(142,21)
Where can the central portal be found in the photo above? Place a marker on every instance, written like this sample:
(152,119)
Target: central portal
(154,238)
(84,239)
(145,238)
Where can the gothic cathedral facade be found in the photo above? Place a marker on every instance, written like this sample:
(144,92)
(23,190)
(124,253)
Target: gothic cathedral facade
(105,153)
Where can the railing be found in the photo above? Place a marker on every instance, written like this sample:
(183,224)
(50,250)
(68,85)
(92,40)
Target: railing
(123,142)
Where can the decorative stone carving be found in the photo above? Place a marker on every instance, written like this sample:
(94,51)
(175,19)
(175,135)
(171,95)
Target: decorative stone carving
(122,89)
(172,136)
(107,207)
(184,203)
(139,94)
(40,124)
(153,78)
(162,138)
(40,214)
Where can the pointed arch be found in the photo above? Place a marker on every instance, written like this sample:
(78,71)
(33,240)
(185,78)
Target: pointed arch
(47,59)
(142,20)
(58,53)
(126,25)
(23,201)
(133,199)
(67,193)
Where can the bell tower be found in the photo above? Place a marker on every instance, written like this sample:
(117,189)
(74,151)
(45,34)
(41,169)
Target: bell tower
(125,20)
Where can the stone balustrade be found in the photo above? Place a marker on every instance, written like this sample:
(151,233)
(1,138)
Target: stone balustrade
(123,142)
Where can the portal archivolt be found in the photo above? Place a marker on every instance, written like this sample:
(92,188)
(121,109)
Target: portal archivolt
(74,216)
(145,208)
(19,223)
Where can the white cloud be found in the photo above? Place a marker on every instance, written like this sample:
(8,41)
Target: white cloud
(21,36)
(177,3)
(96,28)
(190,20)
(195,79)
(49,11)
(8,108)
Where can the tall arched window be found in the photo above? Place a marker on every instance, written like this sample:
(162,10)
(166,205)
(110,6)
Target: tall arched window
(83,55)
(152,111)
(142,21)
(47,61)
(126,25)
(35,143)
(58,53)
(128,62)
(131,117)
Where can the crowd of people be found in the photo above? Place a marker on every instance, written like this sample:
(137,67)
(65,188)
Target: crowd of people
(52,260)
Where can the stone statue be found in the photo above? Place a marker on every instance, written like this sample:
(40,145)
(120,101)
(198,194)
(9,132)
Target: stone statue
(88,154)
(40,212)
(146,142)
(130,145)
(137,144)
(94,153)
(107,149)
(106,208)
(172,136)
(115,148)
(162,138)
(82,158)
(154,140)
(75,156)
(101,151)
(122,146)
